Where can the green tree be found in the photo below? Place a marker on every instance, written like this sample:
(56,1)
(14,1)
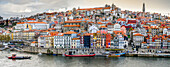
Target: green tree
(114,17)
(130,29)
(7,38)
(2,38)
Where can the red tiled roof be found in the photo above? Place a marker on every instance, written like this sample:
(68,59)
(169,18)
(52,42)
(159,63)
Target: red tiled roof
(138,34)
(32,22)
(72,21)
(71,25)
(70,32)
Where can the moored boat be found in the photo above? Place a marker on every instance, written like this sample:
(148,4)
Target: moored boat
(113,55)
(19,57)
(24,57)
(88,55)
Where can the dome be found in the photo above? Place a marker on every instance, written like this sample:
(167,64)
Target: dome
(93,29)
(117,27)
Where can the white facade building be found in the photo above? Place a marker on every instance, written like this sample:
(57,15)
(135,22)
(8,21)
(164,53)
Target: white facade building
(59,41)
(93,29)
(32,25)
(117,27)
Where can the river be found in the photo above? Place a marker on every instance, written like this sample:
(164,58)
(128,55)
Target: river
(60,61)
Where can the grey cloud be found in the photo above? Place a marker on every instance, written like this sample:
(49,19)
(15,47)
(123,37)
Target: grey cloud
(10,8)
(29,7)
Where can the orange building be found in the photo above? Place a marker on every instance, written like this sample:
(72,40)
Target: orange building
(108,40)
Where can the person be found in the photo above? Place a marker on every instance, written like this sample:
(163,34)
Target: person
(14,55)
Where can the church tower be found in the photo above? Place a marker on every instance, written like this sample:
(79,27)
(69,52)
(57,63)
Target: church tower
(144,7)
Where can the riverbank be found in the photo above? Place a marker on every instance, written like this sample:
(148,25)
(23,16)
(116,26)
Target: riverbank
(60,61)
(61,51)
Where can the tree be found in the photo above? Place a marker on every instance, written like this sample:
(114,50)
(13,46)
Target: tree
(7,38)
(114,17)
(130,29)
(2,38)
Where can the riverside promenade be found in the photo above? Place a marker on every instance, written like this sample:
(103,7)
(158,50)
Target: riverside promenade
(60,51)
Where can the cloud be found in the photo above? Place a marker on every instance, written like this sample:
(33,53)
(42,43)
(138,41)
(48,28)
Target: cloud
(10,8)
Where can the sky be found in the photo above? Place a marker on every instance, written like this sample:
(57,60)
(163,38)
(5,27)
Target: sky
(13,8)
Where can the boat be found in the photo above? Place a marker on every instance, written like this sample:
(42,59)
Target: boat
(21,57)
(73,53)
(85,55)
(114,54)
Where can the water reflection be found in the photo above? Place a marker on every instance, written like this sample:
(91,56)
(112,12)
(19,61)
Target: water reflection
(60,61)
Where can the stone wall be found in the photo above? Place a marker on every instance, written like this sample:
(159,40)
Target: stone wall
(57,50)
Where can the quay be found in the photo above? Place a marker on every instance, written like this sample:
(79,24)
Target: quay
(57,51)
(60,51)
(99,51)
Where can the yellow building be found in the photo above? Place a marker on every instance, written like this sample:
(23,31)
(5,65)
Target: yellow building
(46,41)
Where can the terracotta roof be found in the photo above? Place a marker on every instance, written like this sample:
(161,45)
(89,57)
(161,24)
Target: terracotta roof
(34,42)
(53,33)
(90,22)
(98,31)
(109,23)
(32,22)
(143,42)
(138,34)
(99,23)
(103,27)
(51,29)
(88,34)
(121,19)
(72,21)
(154,27)
(70,32)
(75,38)
(100,8)
(60,34)
(116,32)
(71,25)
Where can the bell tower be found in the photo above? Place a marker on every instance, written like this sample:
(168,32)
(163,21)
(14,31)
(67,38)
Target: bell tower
(144,7)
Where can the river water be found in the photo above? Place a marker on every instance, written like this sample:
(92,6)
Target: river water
(60,61)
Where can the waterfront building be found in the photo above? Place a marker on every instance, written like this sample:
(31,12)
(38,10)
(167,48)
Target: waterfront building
(68,38)
(87,40)
(29,35)
(138,39)
(98,41)
(108,40)
(59,40)
(144,45)
(119,41)
(81,41)
(75,43)
(46,41)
